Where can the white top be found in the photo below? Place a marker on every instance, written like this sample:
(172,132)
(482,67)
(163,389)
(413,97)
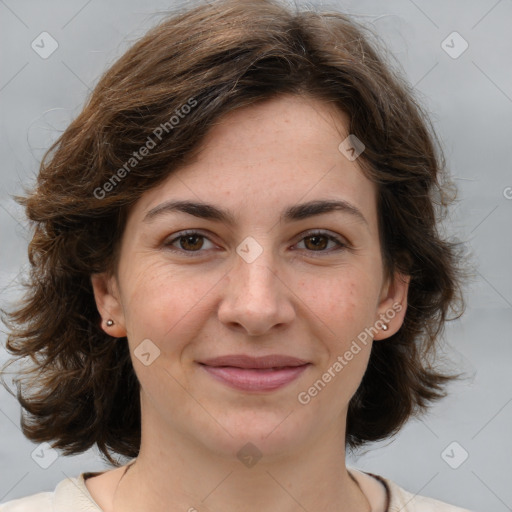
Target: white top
(384,495)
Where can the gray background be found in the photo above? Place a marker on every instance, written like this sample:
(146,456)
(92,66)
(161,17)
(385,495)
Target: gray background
(470,100)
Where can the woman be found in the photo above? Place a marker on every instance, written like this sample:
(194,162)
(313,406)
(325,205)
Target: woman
(236,271)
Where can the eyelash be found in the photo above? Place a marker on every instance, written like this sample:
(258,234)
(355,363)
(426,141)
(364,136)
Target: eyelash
(193,254)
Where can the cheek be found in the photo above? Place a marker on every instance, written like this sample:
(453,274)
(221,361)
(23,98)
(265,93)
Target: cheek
(344,303)
(346,307)
(162,303)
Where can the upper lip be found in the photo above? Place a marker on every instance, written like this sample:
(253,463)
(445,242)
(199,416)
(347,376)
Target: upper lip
(245,361)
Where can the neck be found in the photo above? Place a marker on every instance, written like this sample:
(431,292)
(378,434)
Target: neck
(175,471)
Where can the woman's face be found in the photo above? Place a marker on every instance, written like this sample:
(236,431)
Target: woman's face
(262,274)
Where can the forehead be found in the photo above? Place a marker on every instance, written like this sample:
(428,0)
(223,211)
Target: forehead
(261,158)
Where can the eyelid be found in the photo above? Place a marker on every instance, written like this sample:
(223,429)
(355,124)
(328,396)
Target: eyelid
(324,232)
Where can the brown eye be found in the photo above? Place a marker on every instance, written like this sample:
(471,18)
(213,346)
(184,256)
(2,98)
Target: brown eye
(191,242)
(316,242)
(319,242)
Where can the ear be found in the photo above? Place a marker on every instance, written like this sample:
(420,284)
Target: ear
(392,305)
(108,302)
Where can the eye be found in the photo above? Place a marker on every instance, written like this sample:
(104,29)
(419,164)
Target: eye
(318,241)
(188,242)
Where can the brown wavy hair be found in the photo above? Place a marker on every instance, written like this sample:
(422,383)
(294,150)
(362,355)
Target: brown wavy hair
(80,389)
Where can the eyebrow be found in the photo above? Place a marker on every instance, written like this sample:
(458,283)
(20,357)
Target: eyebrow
(292,213)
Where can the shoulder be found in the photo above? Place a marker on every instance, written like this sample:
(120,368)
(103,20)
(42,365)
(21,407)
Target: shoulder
(69,494)
(42,502)
(404,501)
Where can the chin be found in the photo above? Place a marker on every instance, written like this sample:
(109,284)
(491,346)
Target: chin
(266,433)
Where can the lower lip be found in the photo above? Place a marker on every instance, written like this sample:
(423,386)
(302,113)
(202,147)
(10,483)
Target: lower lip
(253,379)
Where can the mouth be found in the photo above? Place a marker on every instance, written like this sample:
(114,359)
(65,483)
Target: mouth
(246,373)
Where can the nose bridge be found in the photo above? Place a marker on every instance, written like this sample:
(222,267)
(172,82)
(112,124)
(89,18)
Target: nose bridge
(255,298)
(254,271)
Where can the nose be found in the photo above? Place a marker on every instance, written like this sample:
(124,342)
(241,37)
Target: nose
(256,298)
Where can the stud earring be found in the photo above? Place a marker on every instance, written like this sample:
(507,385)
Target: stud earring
(384,327)
(110,323)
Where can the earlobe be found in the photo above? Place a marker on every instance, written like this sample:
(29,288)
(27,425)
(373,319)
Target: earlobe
(108,302)
(392,306)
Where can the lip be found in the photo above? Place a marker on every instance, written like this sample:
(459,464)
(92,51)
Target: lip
(250,362)
(246,373)
(250,379)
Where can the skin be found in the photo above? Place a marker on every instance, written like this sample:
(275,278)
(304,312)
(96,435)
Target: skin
(294,299)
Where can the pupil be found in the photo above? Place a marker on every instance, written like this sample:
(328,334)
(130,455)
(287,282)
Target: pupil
(316,242)
(189,241)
